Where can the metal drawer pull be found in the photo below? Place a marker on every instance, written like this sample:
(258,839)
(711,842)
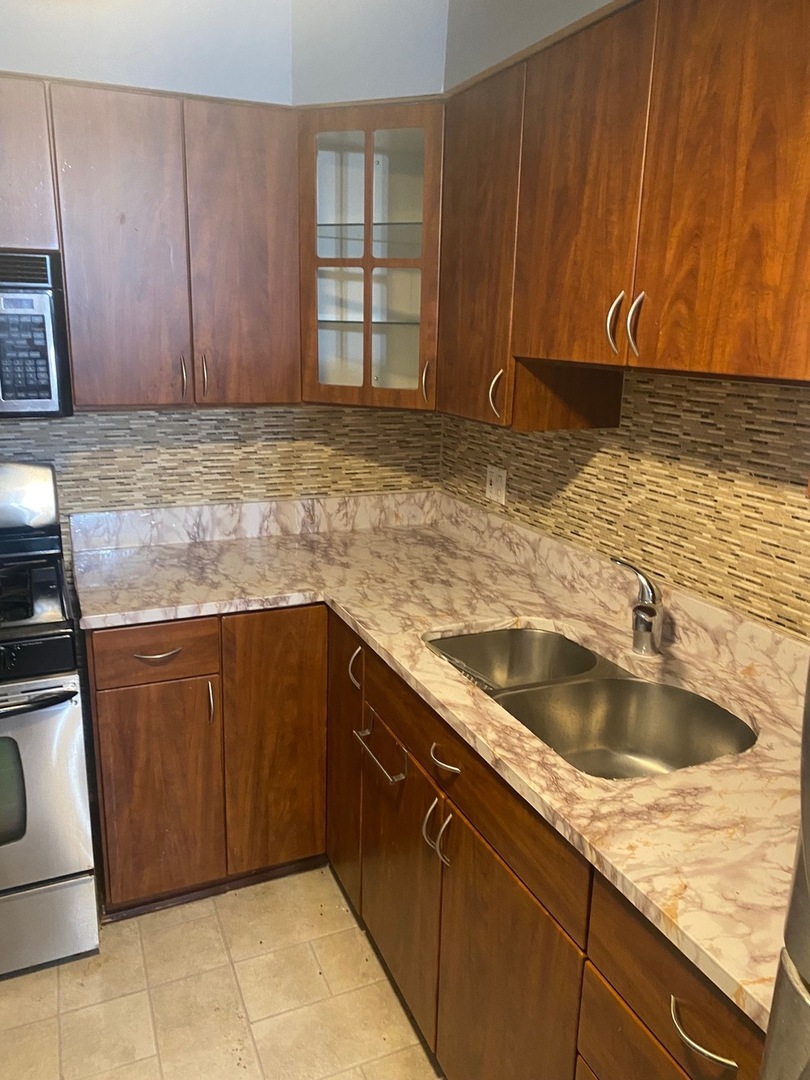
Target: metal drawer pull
(492,386)
(428,816)
(424,381)
(154,658)
(391,779)
(442,764)
(355,654)
(205,375)
(610,323)
(631,321)
(698,1049)
(210,703)
(184,374)
(438,842)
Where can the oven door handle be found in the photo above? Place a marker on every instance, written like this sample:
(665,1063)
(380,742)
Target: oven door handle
(37,702)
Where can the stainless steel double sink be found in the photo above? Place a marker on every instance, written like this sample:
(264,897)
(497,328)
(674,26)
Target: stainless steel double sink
(597,716)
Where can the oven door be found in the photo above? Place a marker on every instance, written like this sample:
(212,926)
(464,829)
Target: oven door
(44,812)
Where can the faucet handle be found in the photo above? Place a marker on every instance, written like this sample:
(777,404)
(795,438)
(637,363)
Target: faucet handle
(648,591)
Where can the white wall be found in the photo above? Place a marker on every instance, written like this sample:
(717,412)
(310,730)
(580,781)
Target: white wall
(481,33)
(226,48)
(349,50)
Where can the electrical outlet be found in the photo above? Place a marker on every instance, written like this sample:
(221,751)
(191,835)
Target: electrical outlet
(496,485)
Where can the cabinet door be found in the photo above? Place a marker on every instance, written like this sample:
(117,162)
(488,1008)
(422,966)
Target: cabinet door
(27,207)
(724,247)
(242,177)
(402,874)
(274,672)
(120,180)
(344,716)
(509,978)
(160,750)
(479,219)
(583,145)
(370,208)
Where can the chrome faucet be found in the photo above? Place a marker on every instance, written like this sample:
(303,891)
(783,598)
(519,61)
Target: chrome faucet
(648,613)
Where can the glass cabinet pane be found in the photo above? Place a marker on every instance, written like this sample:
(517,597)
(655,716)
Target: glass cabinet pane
(340,326)
(399,174)
(13,809)
(396,301)
(341,194)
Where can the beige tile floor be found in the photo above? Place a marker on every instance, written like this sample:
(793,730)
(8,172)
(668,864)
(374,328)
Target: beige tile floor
(276,981)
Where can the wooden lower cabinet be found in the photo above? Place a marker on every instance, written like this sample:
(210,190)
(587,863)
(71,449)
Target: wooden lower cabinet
(274,678)
(160,749)
(344,707)
(402,875)
(509,977)
(583,1072)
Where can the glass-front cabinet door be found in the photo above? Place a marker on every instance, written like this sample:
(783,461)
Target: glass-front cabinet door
(370,198)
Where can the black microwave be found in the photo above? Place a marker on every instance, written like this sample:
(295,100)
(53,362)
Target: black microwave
(34,361)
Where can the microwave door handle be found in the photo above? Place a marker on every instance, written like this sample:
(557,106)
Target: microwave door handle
(37,702)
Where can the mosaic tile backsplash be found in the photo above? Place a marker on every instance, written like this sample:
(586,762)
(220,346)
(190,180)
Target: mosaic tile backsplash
(704,483)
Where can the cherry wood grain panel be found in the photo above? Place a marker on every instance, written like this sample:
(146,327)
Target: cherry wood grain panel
(161,769)
(583,146)
(27,204)
(242,178)
(274,675)
(122,656)
(344,708)
(483,128)
(583,1072)
(509,979)
(646,969)
(402,876)
(121,194)
(547,864)
(614,1042)
(724,247)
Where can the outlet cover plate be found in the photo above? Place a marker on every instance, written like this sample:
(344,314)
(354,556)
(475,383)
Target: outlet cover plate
(496,485)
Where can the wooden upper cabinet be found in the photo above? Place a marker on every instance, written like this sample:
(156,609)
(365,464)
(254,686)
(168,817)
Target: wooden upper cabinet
(370,180)
(27,206)
(479,220)
(121,193)
(583,150)
(242,168)
(724,254)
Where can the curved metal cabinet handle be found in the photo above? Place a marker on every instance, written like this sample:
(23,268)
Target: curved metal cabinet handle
(355,682)
(210,702)
(428,815)
(491,394)
(610,322)
(391,779)
(438,842)
(424,381)
(205,375)
(698,1049)
(443,764)
(632,318)
(154,658)
(184,374)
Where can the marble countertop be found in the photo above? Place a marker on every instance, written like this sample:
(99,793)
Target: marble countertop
(705,853)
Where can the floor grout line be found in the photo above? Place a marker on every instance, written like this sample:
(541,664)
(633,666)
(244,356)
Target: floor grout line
(321,971)
(149,1001)
(235,977)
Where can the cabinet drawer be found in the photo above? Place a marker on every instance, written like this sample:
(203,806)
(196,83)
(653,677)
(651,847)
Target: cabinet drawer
(558,875)
(614,1042)
(647,970)
(155,652)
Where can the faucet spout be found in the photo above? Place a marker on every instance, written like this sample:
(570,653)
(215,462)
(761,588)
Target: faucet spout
(648,613)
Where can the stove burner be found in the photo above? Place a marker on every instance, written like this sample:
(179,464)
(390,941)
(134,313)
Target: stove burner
(16,595)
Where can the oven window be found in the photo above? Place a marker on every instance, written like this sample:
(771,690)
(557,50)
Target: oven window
(12,793)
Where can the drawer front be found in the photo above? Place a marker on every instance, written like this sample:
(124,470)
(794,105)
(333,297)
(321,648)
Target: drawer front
(155,652)
(647,970)
(613,1041)
(550,868)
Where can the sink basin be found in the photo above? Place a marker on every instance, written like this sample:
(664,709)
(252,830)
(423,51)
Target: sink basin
(518,656)
(622,728)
